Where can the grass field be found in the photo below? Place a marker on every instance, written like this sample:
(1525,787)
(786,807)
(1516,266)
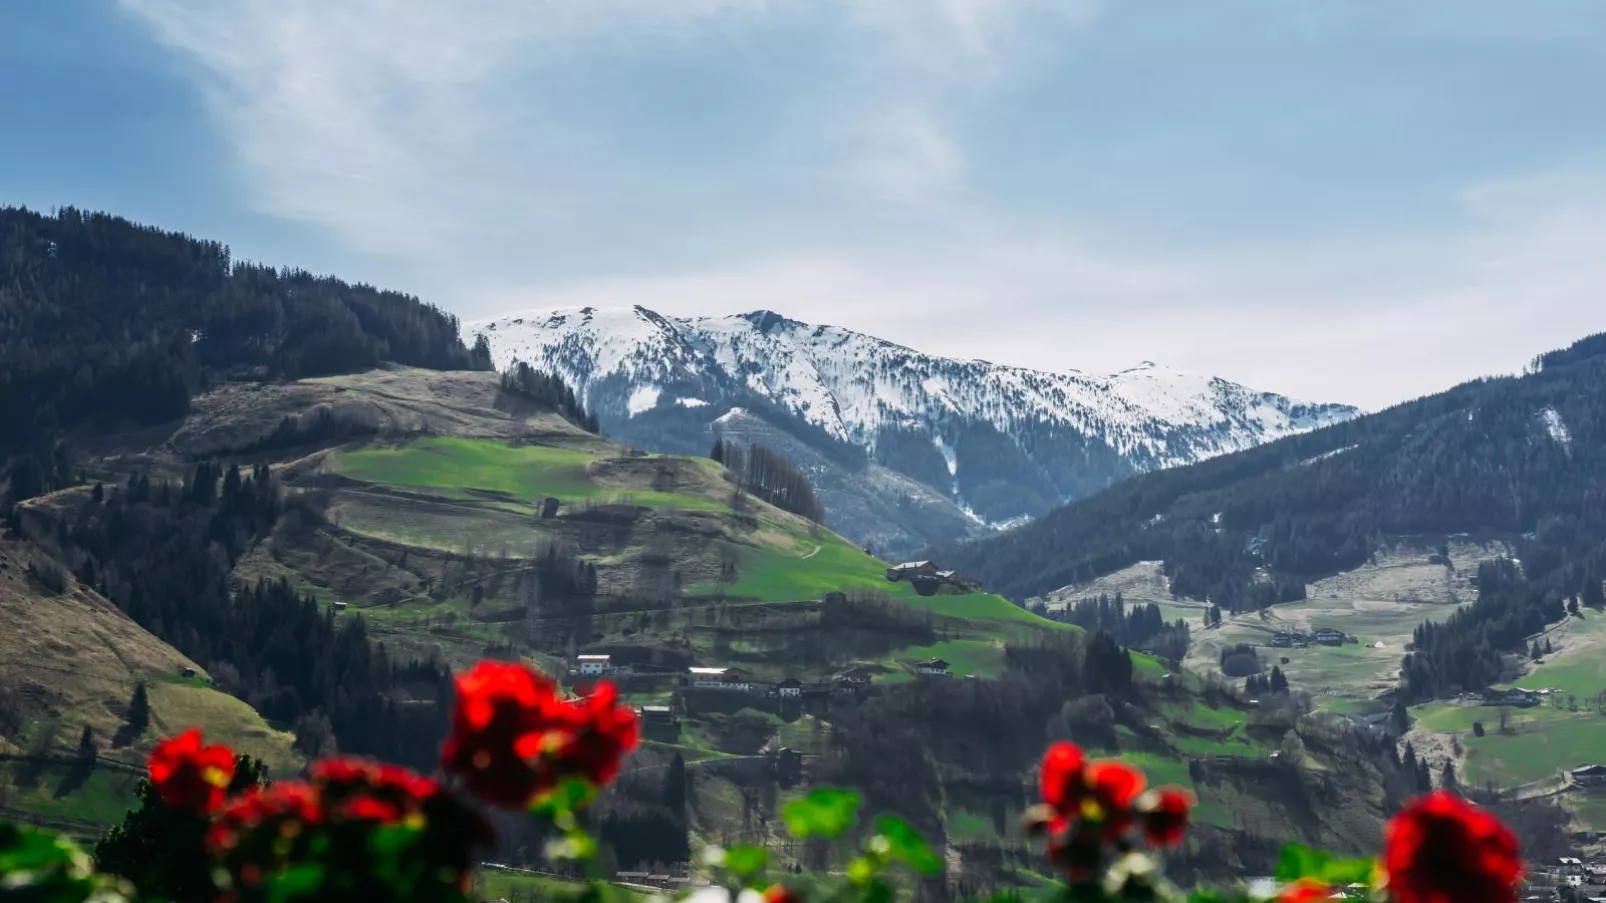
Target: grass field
(1578,666)
(771,575)
(984,658)
(177,706)
(1541,741)
(527,473)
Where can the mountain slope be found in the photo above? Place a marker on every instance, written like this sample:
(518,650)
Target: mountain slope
(997,442)
(1512,455)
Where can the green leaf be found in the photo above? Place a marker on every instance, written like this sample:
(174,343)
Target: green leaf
(295,881)
(826,812)
(565,799)
(746,861)
(1297,861)
(906,845)
(1210,896)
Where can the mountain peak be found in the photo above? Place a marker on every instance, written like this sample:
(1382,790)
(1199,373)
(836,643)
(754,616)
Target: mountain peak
(1066,433)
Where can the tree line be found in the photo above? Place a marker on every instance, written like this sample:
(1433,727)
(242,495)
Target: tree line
(1141,627)
(1505,455)
(103,320)
(766,474)
(547,390)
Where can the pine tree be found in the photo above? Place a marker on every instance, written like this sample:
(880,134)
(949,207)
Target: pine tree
(718,454)
(675,787)
(1279,683)
(139,710)
(86,745)
(1534,652)
(1424,776)
(1399,717)
(1592,596)
(1548,649)
(1447,778)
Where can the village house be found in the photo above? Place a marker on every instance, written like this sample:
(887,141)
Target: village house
(733,680)
(911,569)
(1515,697)
(656,714)
(1327,636)
(932,667)
(790,687)
(593,665)
(1588,776)
(857,675)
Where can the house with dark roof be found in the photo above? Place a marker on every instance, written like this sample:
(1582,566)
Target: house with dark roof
(911,569)
(1588,776)
(932,667)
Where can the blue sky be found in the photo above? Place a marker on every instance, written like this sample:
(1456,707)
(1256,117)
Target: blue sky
(1356,201)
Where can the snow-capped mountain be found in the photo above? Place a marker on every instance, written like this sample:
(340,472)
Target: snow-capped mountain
(999,442)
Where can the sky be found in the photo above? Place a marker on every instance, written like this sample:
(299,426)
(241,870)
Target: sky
(1342,200)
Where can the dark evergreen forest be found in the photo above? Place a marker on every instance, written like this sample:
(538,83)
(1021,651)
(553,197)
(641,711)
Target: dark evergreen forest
(103,320)
(164,552)
(767,474)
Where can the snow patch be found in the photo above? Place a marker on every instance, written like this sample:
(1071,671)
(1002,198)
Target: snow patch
(1556,427)
(947,455)
(691,402)
(729,415)
(643,399)
(1329,454)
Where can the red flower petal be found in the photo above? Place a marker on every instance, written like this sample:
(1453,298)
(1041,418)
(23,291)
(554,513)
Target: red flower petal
(189,775)
(1442,849)
(779,893)
(1165,817)
(1060,775)
(1305,890)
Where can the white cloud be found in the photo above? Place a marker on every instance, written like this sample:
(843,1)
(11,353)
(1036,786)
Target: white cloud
(414,126)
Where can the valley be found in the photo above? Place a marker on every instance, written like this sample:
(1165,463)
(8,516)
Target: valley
(428,512)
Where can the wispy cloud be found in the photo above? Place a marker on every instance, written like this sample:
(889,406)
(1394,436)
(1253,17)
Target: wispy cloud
(1303,196)
(408,126)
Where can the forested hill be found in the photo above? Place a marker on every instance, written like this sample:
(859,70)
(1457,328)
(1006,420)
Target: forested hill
(101,318)
(1517,455)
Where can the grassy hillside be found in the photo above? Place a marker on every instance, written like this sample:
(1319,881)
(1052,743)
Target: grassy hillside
(1500,456)
(70,660)
(425,519)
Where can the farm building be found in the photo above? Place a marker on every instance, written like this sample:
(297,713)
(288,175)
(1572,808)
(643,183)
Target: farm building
(731,679)
(911,569)
(1589,776)
(592,665)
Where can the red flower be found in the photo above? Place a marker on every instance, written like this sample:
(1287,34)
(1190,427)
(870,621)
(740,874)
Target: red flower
(1442,849)
(1165,815)
(285,803)
(1115,789)
(1060,778)
(513,738)
(499,727)
(597,732)
(780,893)
(1305,890)
(190,776)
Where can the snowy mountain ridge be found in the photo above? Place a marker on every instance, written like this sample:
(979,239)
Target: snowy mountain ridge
(972,421)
